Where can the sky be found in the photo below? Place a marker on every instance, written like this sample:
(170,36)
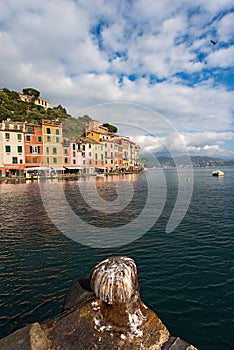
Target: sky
(146,66)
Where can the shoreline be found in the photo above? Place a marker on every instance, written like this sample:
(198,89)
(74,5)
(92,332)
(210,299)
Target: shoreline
(21,179)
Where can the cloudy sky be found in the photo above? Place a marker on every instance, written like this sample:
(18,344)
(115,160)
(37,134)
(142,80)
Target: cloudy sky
(148,66)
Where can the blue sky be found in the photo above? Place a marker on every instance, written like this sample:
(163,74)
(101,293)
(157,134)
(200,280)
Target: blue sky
(148,66)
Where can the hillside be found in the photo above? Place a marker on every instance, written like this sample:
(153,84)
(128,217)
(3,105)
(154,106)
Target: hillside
(11,107)
(75,127)
(197,161)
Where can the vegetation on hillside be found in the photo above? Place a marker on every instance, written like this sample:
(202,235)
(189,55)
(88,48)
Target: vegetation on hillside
(75,127)
(111,128)
(16,110)
(11,107)
(31,92)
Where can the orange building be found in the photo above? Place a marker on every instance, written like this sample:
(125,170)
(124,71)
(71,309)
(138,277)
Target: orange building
(33,143)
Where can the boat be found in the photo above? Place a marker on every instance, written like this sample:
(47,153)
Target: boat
(218,173)
(100,174)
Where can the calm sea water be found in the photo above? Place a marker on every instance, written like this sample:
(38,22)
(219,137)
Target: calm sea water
(186,276)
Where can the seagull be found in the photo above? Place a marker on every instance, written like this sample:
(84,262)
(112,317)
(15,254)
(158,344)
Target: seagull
(213,42)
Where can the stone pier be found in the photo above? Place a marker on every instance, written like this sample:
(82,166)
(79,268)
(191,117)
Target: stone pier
(103,311)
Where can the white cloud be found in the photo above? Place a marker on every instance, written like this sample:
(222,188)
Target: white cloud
(222,58)
(225,27)
(205,143)
(53,47)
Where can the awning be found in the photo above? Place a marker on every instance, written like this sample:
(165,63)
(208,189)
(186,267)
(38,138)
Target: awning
(11,167)
(38,168)
(56,168)
(72,168)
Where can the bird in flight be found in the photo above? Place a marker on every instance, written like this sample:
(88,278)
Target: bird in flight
(213,42)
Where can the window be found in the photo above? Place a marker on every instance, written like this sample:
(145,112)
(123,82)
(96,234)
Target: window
(65,151)
(7,136)
(95,155)
(48,130)
(54,160)
(28,138)
(90,154)
(47,150)
(19,137)
(15,127)
(14,160)
(83,161)
(74,146)
(74,161)
(30,130)
(20,149)
(54,150)
(39,139)
(78,146)
(57,131)
(74,153)
(48,139)
(57,140)
(65,160)
(21,161)
(90,146)
(21,127)
(48,161)
(8,149)
(105,154)
(34,160)
(83,147)
(33,149)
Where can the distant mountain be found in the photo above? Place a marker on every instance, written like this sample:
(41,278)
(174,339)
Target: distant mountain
(197,161)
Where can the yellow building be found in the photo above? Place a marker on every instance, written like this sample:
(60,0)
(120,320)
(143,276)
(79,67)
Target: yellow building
(37,101)
(96,131)
(52,145)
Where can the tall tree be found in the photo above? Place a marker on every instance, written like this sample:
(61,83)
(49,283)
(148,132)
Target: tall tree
(31,92)
(110,127)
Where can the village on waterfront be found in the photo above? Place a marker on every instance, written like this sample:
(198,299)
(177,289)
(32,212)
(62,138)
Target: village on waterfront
(31,150)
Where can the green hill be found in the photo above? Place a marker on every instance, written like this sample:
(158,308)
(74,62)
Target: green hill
(11,107)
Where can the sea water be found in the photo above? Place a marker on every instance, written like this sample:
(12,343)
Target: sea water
(186,276)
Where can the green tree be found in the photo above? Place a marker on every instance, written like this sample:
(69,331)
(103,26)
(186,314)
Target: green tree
(31,92)
(110,127)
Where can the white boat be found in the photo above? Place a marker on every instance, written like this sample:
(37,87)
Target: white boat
(218,173)
(99,174)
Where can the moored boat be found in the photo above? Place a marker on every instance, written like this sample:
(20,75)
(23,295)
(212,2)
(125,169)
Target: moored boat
(218,173)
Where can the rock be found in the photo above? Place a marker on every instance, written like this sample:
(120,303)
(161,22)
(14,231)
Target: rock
(103,311)
(31,337)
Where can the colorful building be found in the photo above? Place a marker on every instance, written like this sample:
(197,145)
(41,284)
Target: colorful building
(26,147)
(37,101)
(12,156)
(73,159)
(33,143)
(52,145)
